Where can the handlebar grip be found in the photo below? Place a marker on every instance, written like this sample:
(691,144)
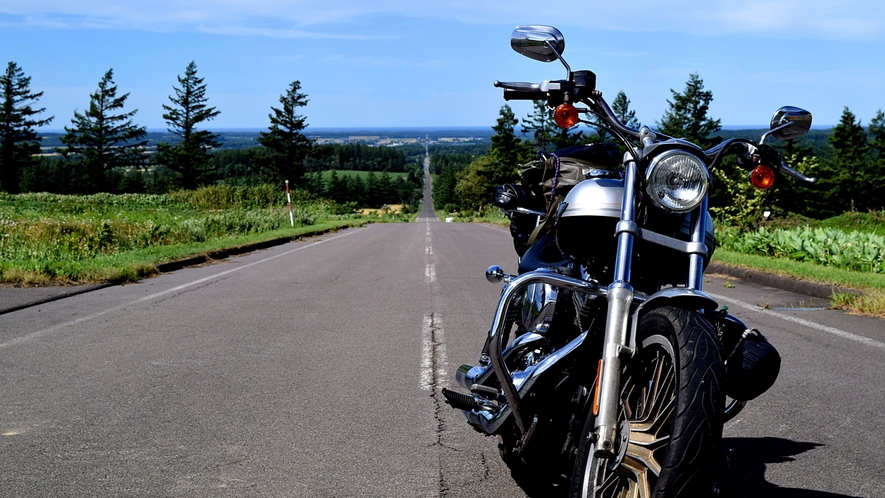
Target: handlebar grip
(524,95)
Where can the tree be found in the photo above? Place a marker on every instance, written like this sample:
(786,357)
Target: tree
(621,108)
(567,137)
(474,185)
(876,131)
(539,123)
(687,115)
(506,148)
(846,178)
(792,195)
(548,135)
(444,184)
(189,157)
(288,146)
(18,140)
(100,140)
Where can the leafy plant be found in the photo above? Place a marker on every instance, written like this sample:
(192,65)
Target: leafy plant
(859,251)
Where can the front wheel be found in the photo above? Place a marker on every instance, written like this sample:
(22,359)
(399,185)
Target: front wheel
(670,416)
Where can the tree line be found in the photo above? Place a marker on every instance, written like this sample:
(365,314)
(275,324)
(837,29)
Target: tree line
(103,150)
(849,161)
(465,182)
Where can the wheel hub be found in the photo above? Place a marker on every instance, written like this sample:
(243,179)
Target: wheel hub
(622,443)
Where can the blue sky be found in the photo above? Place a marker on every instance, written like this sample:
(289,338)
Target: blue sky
(408,63)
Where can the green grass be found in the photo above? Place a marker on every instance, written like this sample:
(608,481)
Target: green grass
(132,265)
(491,215)
(871,301)
(869,222)
(806,271)
(51,239)
(859,268)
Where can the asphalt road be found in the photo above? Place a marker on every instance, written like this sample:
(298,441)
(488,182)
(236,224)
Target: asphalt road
(314,368)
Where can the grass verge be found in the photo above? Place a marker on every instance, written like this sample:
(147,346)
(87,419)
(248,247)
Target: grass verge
(872,285)
(129,266)
(492,216)
(49,239)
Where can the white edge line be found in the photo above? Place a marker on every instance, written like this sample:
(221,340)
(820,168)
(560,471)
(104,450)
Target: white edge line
(814,325)
(46,331)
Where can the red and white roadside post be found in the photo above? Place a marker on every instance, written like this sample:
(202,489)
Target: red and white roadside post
(289,199)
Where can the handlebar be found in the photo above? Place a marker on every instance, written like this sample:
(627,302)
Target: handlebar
(521,95)
(535,91)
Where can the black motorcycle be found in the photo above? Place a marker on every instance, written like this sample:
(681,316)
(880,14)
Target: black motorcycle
(605,361)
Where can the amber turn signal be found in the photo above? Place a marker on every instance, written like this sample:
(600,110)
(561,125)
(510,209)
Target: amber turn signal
(566,116)
(762,177)
(596,389)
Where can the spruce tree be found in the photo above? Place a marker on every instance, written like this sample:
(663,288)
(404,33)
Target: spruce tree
(792,195)
(621,108)
(444,184)
(99,140)
(547,134)
(846,177)
(687,115)
(507,149)
(189,156)
(288,146)
(336,188)
(18,140)
(539,123)
(876,132)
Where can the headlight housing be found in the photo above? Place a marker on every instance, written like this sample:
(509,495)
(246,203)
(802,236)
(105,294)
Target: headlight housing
(677,181)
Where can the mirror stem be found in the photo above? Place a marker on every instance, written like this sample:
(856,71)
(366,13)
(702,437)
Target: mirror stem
(769,132)
(568,69)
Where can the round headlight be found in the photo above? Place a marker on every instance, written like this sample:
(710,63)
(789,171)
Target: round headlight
(677,181)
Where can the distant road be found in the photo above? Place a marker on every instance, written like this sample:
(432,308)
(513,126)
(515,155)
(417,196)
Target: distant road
(314,369)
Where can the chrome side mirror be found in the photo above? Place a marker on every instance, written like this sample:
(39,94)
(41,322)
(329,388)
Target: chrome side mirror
(789,122)
(541,43)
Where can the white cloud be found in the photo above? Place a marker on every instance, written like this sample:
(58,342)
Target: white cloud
(802,19)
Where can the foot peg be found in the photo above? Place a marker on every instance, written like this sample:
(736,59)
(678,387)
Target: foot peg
(459,400)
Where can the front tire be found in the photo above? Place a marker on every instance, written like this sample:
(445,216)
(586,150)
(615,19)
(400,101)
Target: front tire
(672,402)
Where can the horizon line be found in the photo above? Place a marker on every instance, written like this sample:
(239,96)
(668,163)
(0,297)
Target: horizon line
(339,129)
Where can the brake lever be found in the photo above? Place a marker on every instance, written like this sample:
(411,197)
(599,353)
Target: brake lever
(518,86)
(795,174)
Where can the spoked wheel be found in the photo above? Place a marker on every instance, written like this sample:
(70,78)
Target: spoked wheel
(670,415)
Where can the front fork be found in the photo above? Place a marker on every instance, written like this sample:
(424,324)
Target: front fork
(617,342)
(620,300)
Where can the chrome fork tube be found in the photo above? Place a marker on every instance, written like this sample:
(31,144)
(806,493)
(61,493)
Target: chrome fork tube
(620,298)
(698,234)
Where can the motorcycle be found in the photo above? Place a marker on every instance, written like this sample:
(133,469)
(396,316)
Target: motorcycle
(606,363)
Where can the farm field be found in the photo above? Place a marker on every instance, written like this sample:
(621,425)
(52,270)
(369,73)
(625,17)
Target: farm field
(327,175)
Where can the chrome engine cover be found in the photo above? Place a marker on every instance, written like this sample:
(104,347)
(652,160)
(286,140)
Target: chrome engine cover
(594,197)
(538,306)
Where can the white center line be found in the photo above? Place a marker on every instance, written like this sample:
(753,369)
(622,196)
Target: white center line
(427,353)
(433,352)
